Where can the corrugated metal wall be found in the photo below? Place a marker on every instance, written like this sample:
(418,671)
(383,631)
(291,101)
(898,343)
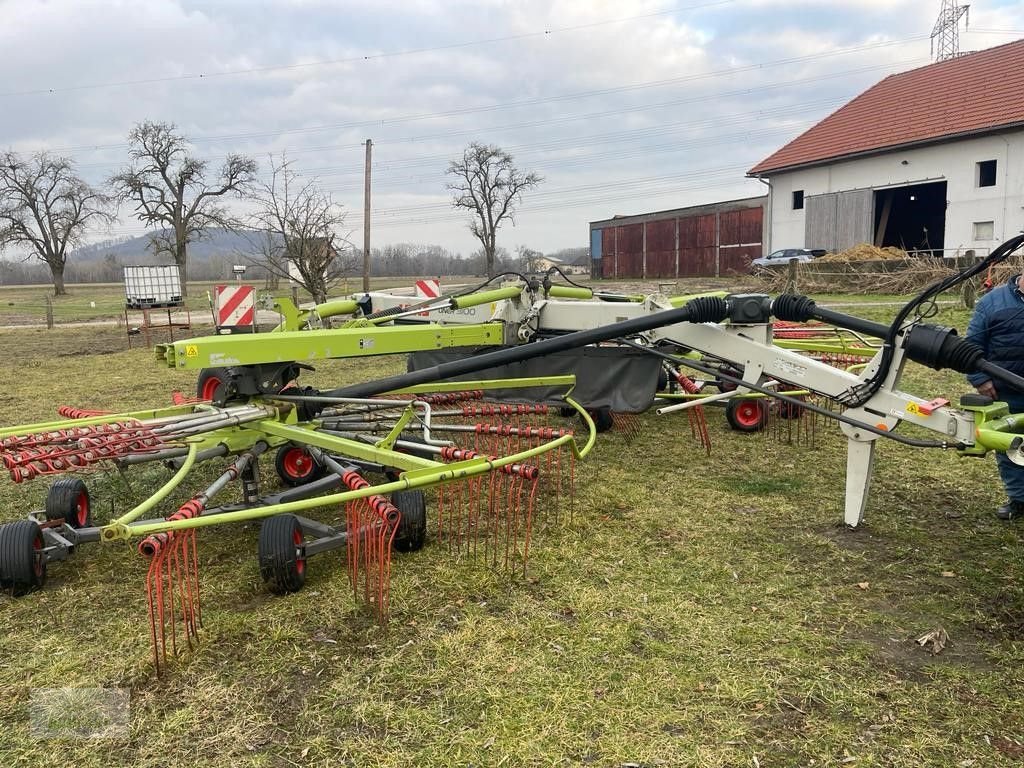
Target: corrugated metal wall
(705,245)
(660,249)
(839,220)
(820,221)
(855,218)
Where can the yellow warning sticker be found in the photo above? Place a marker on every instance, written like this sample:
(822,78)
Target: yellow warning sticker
(913,408)
(191,350)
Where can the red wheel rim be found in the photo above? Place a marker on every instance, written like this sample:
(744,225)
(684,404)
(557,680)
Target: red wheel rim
(297,463)
(82,509)
(210,388)
(300,562)
(37,558)
(748,413)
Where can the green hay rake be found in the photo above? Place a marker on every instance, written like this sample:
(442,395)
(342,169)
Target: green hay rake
(435,427)
(489,480)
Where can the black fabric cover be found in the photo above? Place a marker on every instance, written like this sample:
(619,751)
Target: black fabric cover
(619,378)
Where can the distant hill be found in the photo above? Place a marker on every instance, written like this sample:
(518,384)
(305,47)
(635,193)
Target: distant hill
(216,245)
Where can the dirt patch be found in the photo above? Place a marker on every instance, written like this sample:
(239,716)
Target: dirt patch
(1003,616)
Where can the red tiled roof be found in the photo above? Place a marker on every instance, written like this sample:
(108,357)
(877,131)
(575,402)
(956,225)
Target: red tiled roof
(974,93)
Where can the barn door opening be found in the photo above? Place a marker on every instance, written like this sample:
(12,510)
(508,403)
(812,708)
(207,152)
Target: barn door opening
(912,218)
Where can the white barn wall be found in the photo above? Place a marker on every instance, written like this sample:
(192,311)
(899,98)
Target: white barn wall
(953,162)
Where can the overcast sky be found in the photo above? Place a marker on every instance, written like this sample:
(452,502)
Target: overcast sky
(622,106)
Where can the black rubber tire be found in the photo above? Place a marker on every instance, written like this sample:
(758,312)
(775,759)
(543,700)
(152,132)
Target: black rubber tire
(412,530)
(747,414)
(68,498)
(663,380)
(729,386)
(209,382)
(790,410)
(602,417)
(22,567)
(281,568)
(296,466)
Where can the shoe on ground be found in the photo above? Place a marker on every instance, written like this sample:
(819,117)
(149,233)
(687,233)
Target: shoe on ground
(1011,510)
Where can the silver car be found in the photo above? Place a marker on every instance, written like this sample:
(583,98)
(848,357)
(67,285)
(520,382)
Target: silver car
(784,256)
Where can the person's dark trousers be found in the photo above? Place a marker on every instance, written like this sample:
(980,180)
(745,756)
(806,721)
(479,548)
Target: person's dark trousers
(1012,474)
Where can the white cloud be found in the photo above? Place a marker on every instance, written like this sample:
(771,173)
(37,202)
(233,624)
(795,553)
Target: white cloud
(525,86)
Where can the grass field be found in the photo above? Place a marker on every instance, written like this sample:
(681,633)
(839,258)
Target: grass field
(26,304)
(694,610)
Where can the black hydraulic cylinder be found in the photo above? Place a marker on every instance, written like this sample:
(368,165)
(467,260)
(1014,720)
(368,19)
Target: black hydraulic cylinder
(706,309)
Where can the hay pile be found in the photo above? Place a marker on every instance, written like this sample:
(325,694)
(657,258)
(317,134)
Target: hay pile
(864,252)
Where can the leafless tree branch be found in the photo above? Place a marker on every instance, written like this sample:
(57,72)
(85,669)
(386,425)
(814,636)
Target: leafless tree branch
(488,184)
(300,231)
(46,208)
(169,189)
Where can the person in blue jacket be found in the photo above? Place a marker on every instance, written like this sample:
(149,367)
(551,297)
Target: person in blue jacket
(997,326)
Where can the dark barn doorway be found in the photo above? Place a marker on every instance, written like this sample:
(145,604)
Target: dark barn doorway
(912,218)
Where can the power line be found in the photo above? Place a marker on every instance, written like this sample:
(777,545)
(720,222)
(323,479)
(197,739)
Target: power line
(523,102)
(207,76)
(589,159)
(559,193)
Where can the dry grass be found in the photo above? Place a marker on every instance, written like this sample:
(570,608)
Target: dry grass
(694,611)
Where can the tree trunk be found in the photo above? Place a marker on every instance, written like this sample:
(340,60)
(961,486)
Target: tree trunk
(319,295)
(489,256)
(57,275)
(181,259)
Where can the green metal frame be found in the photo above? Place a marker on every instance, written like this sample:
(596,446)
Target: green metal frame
(306,346)
(418,472)
(996,428)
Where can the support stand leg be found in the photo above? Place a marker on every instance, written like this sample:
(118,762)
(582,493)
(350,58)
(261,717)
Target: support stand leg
(860,457)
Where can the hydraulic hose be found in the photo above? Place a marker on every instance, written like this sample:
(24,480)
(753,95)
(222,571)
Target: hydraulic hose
(707,309)
(936,346)
(861,393)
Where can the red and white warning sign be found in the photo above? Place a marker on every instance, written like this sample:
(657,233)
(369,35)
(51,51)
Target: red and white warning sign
(235,306)
(428,289)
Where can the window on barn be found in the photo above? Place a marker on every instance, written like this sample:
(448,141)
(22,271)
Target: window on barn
(984,230)
(798,199)
(986,173)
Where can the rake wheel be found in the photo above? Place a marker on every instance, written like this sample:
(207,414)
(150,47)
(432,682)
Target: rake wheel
(209,381)
(68,498)
(296,466)
(790,410)
(664,380)
(22,565)
(602,417)
(747,415)
(282,567)
(412,529)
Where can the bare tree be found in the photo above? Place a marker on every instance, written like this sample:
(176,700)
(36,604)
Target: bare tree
(170,189)
(488,184)
(46,208)
(529,259)
(299,232)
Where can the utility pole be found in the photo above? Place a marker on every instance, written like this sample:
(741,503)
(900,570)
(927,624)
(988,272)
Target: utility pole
(946,32)
(366,219)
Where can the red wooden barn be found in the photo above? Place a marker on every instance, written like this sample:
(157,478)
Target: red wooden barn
(701,241)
